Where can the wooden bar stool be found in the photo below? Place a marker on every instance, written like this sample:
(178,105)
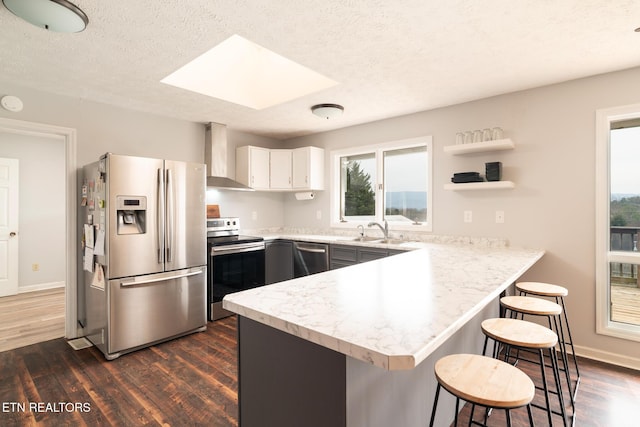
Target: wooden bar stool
(483,381)
(552,311)
(532,337)
(557,293)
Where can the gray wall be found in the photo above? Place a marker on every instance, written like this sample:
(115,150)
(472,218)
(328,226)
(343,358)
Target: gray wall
(103,128)
(553,163)
(41,214)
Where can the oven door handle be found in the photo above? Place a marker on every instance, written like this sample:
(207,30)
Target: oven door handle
(224,250)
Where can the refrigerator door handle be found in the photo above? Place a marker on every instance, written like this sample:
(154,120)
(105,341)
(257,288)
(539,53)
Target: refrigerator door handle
(159,217)
(170,215)
(134,282)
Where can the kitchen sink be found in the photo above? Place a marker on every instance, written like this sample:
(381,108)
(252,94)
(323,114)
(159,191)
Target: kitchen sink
(391,241)
(379,240)
(367,239)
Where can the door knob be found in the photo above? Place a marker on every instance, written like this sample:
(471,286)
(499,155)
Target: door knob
(12,234)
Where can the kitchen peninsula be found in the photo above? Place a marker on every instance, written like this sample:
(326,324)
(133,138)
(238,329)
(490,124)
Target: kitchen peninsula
(356,346)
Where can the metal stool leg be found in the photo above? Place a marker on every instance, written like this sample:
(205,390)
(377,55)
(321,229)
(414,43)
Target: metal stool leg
(556,374)
(544,385)
(570,342)
(530,415)
(435,404)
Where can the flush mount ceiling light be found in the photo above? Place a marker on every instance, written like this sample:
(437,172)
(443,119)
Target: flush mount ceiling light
(55,15)
(327,111)
(240,71)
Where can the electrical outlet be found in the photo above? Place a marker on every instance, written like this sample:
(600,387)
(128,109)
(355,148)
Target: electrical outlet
(499,217)
(318,214)
(254,215)
(468,216)
(35,267)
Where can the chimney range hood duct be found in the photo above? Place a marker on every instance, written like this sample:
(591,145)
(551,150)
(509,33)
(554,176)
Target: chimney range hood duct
(215,154)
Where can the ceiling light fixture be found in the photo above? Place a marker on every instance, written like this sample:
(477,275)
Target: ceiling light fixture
(327,111)
(55,15)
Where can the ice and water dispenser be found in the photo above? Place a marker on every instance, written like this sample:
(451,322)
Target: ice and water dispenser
(131,212)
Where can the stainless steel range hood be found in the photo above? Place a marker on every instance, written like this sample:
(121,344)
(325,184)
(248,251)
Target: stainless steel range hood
(215,154)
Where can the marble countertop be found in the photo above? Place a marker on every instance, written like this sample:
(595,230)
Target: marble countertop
(392,312)
(399,241)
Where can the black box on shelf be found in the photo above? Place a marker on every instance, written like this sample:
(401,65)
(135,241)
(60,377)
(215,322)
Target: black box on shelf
(493,171)
(464,177)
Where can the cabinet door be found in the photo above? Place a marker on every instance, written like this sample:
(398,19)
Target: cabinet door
(278,261)
(301,168)
(280,169)
(342,256)
(252,167)
(370,254)
(308,168)
(259,167)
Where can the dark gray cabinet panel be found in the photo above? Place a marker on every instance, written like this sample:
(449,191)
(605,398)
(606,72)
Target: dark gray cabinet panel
(345,255)
(370,254)
(342,256)
(278,261)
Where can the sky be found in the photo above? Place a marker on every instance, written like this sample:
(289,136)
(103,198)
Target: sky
(625,161)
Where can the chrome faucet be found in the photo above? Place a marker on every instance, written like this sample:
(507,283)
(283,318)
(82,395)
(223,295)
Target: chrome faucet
(361,228)
(384,229)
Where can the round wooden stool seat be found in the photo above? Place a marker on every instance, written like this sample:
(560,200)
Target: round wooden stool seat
(542,289)
(484,381)
(529,305)
(519,333)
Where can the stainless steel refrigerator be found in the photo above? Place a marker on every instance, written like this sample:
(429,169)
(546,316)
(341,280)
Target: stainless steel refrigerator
(143,251)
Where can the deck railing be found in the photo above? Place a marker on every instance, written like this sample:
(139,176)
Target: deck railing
(624,239)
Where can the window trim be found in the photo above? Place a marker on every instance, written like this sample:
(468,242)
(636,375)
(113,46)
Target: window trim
(334,185)
(604,324)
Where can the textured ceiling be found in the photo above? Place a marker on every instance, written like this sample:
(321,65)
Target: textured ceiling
(389,57)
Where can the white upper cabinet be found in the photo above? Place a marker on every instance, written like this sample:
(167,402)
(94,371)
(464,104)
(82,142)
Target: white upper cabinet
(280,166)
(280,169)
(308,168)
(252,167)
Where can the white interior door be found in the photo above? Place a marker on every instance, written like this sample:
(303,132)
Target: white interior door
(8,227)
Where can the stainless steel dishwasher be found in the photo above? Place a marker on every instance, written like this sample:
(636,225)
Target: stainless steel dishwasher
(310,258)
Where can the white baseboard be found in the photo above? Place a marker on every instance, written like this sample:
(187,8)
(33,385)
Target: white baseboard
(605,356)
(40,287)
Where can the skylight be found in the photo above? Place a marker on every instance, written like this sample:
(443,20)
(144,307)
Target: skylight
(240,71)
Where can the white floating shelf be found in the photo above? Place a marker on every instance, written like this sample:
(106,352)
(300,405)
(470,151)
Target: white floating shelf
(488,185)
(477,147)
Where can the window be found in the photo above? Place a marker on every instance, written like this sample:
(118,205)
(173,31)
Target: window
(389,182)
(618,222)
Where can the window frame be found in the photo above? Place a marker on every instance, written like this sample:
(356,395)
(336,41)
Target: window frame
(604,256)
(378,149)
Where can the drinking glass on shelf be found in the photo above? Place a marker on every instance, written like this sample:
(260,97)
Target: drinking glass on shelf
(459,138)
(468,137)
(487,134)
(477,136)
(497,133)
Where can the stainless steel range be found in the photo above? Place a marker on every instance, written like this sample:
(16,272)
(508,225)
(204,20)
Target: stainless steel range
(236,263)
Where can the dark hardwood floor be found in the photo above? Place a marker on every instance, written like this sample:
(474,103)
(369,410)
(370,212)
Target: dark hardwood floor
(184,382)
(193,381)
